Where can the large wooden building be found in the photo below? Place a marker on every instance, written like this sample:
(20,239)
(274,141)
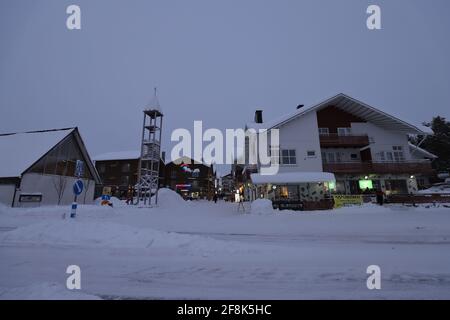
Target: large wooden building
(190,178)
(119,171)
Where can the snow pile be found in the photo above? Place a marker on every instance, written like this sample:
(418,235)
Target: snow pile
(262,206)
(3,208)
(115,201)
(106,234)
(168,198)
(45,291)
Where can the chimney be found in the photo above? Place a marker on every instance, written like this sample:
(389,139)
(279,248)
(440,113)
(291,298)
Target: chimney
(163,156)
(258,116)
(300,106)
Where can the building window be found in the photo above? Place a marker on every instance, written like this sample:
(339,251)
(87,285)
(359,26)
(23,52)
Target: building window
(398,153)
(389,156)
(324,131)
(196,173)
(126,167)
(102,168)
(353,156)
(288,157)
(344,131)
(310,153)
(330,157)
(274,155)
(61,160)
(125,180)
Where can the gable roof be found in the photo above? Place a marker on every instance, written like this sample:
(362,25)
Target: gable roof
(20,150)
(187,160)
(422,151)
(355,107)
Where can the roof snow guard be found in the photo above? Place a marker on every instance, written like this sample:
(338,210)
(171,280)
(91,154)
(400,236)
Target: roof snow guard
(357,108)
(292,178)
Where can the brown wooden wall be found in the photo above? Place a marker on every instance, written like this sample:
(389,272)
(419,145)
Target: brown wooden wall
(333,118)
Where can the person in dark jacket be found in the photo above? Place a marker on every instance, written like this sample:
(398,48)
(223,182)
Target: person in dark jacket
(129,195)
(380,197)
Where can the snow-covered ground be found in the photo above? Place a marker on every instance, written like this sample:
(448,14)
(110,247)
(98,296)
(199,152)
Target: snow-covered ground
(203,250)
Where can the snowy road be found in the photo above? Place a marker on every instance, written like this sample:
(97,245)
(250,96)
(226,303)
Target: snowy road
(296,240)
(212,252)
(319,271)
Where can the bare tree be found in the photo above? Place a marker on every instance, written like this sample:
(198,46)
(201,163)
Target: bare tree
(86,190)
(59,182)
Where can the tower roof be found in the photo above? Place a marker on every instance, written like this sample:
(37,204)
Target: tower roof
(153,104)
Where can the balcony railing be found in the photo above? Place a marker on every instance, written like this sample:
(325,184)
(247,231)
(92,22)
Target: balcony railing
(406,167)
(335,140)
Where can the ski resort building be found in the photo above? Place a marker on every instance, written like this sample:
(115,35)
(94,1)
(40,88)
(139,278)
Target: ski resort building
(38,168)
(119,171)
(190,178)
(340,145)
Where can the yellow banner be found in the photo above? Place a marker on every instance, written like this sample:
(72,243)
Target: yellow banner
(347,200)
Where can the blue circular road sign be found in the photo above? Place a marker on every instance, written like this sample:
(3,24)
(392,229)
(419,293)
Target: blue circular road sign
(78,187)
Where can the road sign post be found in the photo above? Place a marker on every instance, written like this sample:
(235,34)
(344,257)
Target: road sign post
(77,187)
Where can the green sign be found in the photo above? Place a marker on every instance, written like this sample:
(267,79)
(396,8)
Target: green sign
(365,184)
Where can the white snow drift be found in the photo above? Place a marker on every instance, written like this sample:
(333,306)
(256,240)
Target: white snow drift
(262,206)
(71,232)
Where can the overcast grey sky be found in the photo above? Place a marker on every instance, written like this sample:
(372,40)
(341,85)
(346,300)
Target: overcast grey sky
(214,60)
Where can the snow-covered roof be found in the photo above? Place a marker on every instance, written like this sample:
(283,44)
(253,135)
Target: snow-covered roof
(187,160)
(18,151)
(153,104)
(353,106)
(292,177)
(424,152)
(119,155)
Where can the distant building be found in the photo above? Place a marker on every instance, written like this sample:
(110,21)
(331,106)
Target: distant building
(119,171)
(38,168)
(190,178)
(227,185)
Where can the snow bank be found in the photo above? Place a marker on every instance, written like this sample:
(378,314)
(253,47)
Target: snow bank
(115,201)
(262,206)
(45,291)
(106,234)
(3,208)
(167,198)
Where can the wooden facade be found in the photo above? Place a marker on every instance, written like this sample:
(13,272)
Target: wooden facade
(120,175)
(190,178)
